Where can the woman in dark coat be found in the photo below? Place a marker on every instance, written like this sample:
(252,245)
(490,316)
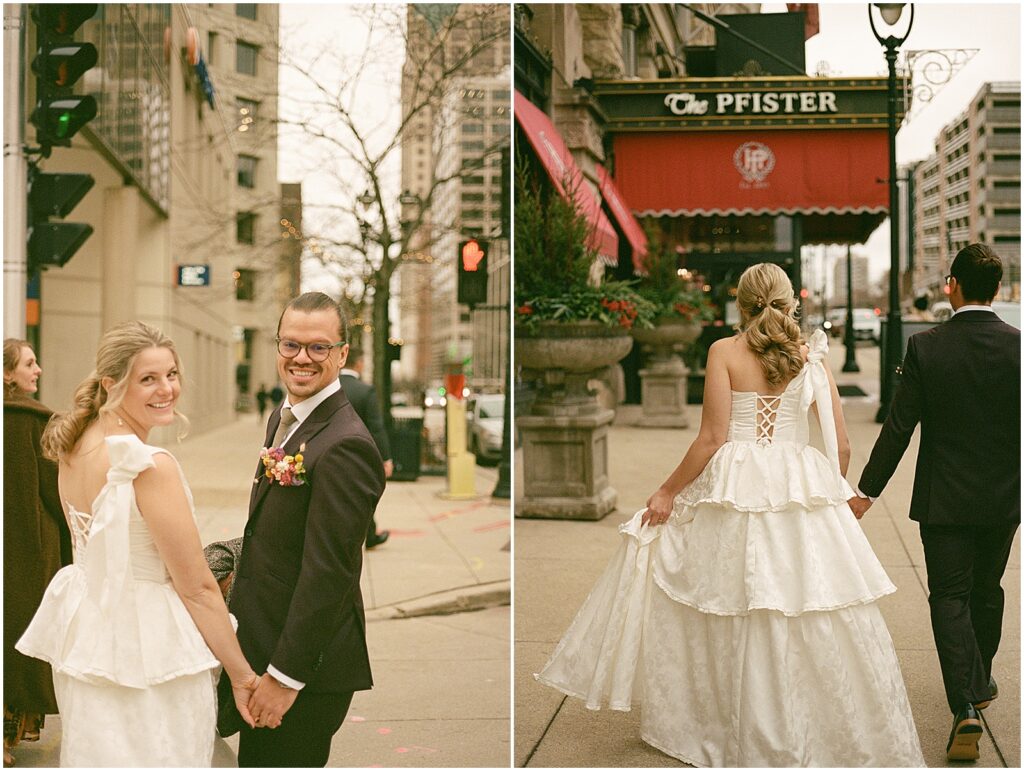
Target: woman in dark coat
(37,544)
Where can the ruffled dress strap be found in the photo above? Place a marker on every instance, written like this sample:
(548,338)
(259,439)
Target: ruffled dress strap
(816,389)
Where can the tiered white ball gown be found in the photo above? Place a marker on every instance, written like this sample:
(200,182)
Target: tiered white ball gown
(134,678)
(747,625)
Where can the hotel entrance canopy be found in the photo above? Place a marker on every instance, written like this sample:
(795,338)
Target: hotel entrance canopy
(551,149)
(769,146)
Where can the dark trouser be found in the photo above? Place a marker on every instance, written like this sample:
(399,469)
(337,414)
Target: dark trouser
(303,740)
(965,565)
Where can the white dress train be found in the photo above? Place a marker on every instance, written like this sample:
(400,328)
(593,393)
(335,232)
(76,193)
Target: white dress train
(747,624)
(134,678)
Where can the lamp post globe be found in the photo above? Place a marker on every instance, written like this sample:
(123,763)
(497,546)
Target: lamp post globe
(890,14)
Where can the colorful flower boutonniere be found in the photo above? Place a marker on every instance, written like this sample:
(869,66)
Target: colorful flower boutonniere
(286,470)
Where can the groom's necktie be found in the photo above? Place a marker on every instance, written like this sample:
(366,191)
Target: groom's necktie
(287,421)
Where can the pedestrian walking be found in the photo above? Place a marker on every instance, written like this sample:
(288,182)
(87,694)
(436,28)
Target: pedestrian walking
(261,400)
(37,543)
(364,398)
(276,396)
(961,382)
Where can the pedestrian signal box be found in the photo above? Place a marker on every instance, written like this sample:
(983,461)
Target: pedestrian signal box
(472,260)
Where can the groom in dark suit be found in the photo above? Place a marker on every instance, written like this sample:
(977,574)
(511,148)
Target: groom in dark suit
(296,591)
(961,381)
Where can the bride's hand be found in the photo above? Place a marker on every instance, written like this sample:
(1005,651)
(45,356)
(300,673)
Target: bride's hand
(242,690)
(659,507)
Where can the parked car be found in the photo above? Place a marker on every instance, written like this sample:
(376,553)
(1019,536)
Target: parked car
(866,324)
(484,424)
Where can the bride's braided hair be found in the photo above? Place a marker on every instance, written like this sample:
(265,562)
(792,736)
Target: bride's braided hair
(767,306)
(115,356)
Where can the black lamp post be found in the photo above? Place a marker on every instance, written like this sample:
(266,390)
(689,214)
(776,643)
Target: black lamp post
(890,13)
(849,338)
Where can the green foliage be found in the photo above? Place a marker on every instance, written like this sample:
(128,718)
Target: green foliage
(664,288)
(553,260)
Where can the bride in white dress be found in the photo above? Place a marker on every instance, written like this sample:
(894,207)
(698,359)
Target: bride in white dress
(740,608)
(135,629)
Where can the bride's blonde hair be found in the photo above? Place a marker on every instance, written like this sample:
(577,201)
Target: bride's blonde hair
(115,357)
(767,308)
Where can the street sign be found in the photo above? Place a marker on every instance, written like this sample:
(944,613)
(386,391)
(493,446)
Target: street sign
(193,275)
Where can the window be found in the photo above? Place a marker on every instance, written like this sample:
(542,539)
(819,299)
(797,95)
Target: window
(245,227)
(246,10)
(247,109)
(245,57)
(472,197)
(247,171)
(211,48)
(245,284)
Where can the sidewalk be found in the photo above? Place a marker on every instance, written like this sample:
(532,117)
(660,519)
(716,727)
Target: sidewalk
(557,563)
(441,676)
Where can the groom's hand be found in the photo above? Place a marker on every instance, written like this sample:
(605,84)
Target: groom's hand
(270,701)
(859,506)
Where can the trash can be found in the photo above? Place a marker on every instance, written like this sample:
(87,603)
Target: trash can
(405,448)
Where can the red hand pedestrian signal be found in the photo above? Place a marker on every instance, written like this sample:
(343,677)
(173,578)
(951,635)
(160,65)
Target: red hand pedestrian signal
(472,268)
(472,254)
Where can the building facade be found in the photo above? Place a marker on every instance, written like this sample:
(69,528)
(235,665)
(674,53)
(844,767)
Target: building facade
(164,151)
(451,154)
(861,289)
(969,191)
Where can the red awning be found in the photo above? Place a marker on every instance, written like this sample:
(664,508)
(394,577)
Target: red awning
(836,171)
(634,233)
(551,149)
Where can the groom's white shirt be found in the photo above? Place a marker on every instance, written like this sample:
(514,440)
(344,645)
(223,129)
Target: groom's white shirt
(301,411)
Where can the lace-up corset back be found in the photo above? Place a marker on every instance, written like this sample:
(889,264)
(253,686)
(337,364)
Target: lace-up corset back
(767,419)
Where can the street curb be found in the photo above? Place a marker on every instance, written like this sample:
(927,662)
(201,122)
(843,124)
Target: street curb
(445,603)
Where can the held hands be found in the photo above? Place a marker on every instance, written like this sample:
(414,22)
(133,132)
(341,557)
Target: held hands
(859,506)
(659,507)
(242,690)
(270,700)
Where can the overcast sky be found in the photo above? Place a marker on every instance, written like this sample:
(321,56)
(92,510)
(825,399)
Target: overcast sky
(845,44)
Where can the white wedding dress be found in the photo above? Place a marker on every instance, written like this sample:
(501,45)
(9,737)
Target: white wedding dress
(133,677)
(747,625)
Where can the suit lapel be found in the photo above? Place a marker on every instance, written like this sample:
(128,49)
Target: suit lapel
(309,428)
(260,480)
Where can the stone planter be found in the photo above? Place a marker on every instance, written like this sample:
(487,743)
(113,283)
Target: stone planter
(663,390)
(565,436)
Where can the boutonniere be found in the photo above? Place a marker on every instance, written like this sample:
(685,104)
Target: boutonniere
(286,470)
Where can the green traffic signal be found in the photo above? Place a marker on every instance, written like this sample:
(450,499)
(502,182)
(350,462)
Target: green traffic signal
(60,119)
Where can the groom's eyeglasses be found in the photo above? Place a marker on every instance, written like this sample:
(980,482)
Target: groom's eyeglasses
(316,351)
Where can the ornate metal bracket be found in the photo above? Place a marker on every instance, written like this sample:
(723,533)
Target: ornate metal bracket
(929,71)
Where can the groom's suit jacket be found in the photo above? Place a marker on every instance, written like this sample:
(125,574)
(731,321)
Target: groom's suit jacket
(296,592)
(961,381)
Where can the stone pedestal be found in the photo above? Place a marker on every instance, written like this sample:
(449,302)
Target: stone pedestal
(565,438)
(565,466)
(663,395)
(663,382)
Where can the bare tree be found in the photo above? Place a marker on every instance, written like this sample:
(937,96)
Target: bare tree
(366,236)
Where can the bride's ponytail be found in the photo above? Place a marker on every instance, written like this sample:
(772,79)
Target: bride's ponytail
(65,428)
(767,306)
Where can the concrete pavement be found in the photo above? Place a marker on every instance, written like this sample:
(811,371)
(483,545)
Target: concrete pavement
(441,694)
(557,563)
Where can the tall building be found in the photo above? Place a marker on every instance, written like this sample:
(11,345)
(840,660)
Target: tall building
(470,120)
(860,280)
(969,190)
(174,174)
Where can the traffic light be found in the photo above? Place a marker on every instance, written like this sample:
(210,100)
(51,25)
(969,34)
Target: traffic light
(52,244)
(58,64)
(472,272)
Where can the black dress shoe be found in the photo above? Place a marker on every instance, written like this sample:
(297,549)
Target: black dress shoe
(377,539)
(963,739)
(995,693)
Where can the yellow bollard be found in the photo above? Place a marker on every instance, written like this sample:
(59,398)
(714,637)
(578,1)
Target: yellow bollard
(461,462)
